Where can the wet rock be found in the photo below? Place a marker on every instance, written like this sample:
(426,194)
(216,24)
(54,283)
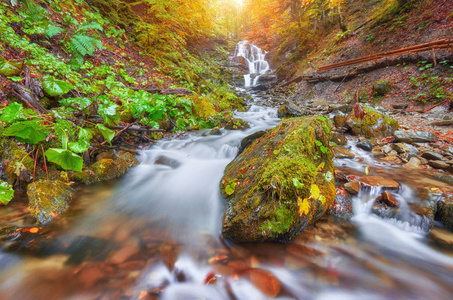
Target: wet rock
(339,120)
(215,131)
(19,169)
(379,181)
(290,110)
(444,178)
(439,164)
(430,155)
(107,154)
(273,193)
(352,187)
(365,145)
(377,152)
(248,140)
(105,169)
(381,88)
(341,209)
(264,281)
(342,152)
(267,78)
(400,106)
(414,137)
(339,139)
(167,161)
(48,199)
(388,199)
(445,211)
(369,122)
(236,124)
(401,148)
(413,163)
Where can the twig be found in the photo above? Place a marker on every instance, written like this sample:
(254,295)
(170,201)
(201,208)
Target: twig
(118,133)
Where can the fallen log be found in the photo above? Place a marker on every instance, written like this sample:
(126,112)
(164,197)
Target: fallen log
(442,123)
(27,96)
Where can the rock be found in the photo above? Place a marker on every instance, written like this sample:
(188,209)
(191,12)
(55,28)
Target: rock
(445,211)
(375,181)
(430,155)
(381,88)
(339,139)
(377,152)
(48,199)
(339,120)
(352,187)
(167,161)
(280,184)
(371,124)
(319,102)
(365,145)
(105,169)
(215,131)
(267,78)
(414,137)
(413,163)
(107,154)
(341,209)
(264,281)
(342,152)
(401,148)
(236,124)
(388,199)
(248,140)
(290,110)
(439,164)
(400,106)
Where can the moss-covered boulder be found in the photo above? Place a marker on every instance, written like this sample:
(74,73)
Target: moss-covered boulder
(445,211)
(290,110)
(367,121)
(236,124)
(281,183)
(18,169)
(106,168)
(48,199)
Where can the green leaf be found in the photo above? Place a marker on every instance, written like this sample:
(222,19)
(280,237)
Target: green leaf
(55,87)
(323,149)
(6,192)
(12,112)
(318,143)
(27,131)
(229,189)
(80,146)
(85,134)
(11,67)
(67,159)
(297,184)
(15,78)
(52,31)
(108,134)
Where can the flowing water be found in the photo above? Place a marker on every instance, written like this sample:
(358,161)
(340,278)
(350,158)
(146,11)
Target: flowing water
(155,234)
(256,61)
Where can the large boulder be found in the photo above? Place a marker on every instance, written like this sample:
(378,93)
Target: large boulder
(48,199)
(281,183)
(414,136)
(290,110)
(236,124)
(367,121)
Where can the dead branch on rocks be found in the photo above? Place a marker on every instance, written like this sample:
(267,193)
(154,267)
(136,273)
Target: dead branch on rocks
(176,92)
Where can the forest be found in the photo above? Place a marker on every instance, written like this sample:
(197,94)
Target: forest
(226,149)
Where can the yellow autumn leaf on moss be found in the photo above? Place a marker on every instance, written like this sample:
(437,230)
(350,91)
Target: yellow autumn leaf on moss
(304,206)
(314,191)
(322,199)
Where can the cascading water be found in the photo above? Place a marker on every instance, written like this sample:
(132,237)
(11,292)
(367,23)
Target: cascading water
(256,61)
(156,236)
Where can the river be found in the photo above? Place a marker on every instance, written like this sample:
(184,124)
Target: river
(155,234)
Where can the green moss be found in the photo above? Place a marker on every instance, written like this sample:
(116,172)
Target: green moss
(105,169)
(373,123)
(281,220)
(48,198)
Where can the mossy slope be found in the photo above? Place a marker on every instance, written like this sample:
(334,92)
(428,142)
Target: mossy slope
(273,182)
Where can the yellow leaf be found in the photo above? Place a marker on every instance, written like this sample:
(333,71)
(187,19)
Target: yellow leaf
(314,191)
(322,199)
(304,206)
(367,169)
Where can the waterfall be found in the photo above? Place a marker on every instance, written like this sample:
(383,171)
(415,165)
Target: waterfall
(256,60)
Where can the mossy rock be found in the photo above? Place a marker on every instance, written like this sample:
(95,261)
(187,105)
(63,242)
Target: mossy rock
(48,198)
(290,110)
(372,124)
(19,164)
(281,183)
(236,124)
(381,88)
(445,211)
(106,168)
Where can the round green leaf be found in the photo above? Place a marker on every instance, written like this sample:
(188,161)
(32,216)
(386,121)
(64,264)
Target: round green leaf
(66,159)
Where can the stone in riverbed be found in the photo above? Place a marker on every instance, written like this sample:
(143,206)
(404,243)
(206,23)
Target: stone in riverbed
(413,163)
(414,137)
(48,199)
(281,183)
(342,152)
(290,110)
(352,187)
(430,155)
(248,140)
(236,124)
(445,211)
(440,164)
(379,181)
(369,122)
(388,199)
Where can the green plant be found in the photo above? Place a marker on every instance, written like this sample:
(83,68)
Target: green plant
(6,192)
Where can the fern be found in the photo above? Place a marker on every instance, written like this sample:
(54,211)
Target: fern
(82,44)
(88,26)
(34,11)
(52,31)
